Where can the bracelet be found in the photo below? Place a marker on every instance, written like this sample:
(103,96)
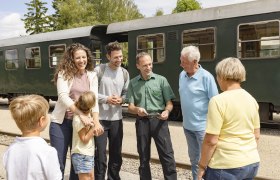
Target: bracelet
(202,167)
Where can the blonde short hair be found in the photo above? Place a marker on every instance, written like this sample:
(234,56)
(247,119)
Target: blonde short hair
(86,102)
(231,69)
(27,110)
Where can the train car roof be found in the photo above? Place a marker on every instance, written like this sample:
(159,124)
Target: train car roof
(49,36)
(215,13)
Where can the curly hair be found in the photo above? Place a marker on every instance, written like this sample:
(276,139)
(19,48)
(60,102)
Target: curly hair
(67,65)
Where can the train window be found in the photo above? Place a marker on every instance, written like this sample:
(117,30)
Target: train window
(204,39)
(55,54)
(259,40)
(11,59)
(152,44)
(32,58)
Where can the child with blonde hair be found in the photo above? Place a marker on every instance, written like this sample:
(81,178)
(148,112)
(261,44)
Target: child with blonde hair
(82,153)
(30,157)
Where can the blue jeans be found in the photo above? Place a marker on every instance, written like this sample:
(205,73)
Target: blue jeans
(194,141)
(242,173)
(61,140)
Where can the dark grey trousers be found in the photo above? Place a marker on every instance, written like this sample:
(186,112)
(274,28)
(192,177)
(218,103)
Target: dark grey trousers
(113,131)
(152,127)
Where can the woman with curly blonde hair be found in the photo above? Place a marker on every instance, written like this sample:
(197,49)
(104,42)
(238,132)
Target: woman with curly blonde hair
(74,75)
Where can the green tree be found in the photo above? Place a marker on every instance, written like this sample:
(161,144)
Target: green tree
(36,21)
(56,15)
(186,5)
(159,12)
(73,13)
(109,11)
(77,13)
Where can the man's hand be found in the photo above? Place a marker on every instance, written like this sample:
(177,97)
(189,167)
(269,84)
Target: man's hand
(114,100)
(164,115)
(142,112)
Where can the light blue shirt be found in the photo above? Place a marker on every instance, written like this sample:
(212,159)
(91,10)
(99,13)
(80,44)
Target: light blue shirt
(195,93)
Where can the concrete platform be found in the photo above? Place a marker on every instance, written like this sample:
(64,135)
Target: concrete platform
(268,146)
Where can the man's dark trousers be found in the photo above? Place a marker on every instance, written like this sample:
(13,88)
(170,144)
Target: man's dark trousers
(152,127)
(113,131)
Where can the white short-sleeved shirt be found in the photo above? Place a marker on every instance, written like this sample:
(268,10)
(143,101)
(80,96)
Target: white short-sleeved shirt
(31,158)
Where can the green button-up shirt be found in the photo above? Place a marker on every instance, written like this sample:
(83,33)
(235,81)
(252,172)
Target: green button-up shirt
(151,94)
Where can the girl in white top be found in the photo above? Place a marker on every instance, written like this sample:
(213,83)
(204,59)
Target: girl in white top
(82,153)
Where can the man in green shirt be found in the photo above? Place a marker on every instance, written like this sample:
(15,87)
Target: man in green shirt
(149,96)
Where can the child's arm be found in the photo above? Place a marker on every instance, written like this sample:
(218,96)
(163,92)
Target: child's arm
(86,134)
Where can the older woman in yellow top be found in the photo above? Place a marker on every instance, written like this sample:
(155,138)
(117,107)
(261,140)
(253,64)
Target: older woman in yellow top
(229,149)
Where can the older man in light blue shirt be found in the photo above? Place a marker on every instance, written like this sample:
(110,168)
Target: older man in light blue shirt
(196,87)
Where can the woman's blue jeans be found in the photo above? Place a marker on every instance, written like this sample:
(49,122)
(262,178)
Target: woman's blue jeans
(242,173)
(61,140)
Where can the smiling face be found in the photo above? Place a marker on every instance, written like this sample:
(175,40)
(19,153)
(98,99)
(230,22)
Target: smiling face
(145,65)
(80,60)
(115,58)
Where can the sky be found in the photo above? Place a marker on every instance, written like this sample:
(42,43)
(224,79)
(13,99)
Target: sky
(12,11)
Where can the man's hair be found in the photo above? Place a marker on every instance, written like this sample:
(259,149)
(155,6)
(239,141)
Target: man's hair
(191,52)
(113,46)
(231,69)
(140,55)
(86,102)
(27,110)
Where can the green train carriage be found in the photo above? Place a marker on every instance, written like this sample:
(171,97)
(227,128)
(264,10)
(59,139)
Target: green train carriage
(249,31)
(27,63)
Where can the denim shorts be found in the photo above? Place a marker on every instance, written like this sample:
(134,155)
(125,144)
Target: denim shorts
(82,163)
